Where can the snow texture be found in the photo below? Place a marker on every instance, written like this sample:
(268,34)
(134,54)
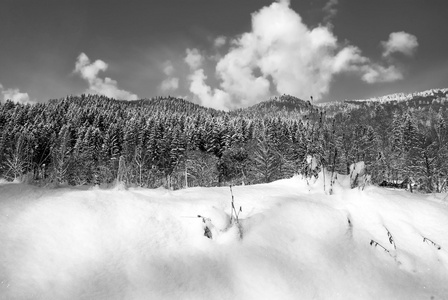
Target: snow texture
(298,243)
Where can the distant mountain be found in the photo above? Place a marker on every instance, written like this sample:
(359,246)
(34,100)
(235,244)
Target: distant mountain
(427,95)
(287,105)
(284,105)
(284,102)
(169,102)
(173,104)
(435,99)
(291,106)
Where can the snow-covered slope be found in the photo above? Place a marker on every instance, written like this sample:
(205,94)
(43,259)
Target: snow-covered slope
(298,243)
(406,97)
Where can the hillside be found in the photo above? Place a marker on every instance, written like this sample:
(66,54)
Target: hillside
(435,99)
(95,140)
(285,106)
(428,95)
(173,105)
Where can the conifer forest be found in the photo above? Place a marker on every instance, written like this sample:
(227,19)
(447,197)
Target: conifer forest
(170,142)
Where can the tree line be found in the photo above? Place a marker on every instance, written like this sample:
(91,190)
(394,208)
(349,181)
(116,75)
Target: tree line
(91,139)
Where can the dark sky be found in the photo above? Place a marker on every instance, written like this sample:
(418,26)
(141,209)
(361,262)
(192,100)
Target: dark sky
(140,48)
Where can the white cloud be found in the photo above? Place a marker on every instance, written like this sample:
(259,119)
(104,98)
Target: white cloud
(400,42)
(194,58)
(15,95)
(281,55)
(208,97)
(330,10)
(280,50)
(377,73)
(220,41)
(171,83)
(236,72)
(168,69)
(107,86)
(350,59)
(203,93)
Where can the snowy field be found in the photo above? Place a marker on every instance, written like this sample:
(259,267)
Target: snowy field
(298,243)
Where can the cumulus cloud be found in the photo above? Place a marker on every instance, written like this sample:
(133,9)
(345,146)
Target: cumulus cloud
(171,83)
(107,86)
(402,42)
(350,59)
(378,73)
(194,58)
(215,98)
(15,95)
(330,10)
(280,50)
(203,93)
(168,68)
(282,55)
(220,41)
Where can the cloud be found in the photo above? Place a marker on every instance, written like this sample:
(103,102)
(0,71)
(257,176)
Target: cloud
(171,83)
(330,10)
(282,55)
(168,68)
(107,86)
(15,95)
(377,73)
(194,58)
(400,42)
(350,59)
(220,41)
(203,93)
(215,98)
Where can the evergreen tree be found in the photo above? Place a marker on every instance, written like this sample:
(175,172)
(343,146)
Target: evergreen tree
(265,161)
(61,154)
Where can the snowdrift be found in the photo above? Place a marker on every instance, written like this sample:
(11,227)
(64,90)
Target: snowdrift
(298,243)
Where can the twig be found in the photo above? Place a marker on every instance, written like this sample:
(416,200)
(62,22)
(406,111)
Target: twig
(350,226)
(233,210)
(425,239)
(375,243)
(391,239)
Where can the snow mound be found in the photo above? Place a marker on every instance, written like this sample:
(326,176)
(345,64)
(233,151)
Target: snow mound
(218,217)
(299,242)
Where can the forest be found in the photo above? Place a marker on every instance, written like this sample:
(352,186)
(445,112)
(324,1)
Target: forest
(170,142)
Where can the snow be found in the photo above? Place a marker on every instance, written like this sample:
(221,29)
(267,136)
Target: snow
(358,174)
(404,97)
(298,242)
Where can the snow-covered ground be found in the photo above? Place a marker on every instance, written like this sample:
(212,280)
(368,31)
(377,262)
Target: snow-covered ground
(298,243)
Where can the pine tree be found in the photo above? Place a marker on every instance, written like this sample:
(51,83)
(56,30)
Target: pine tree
(17,161)
(396,151)
(61,154)
(265,161)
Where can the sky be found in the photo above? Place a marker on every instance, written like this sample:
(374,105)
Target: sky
(221,54)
